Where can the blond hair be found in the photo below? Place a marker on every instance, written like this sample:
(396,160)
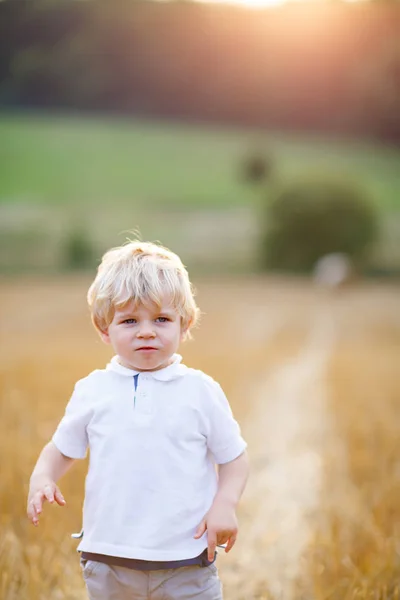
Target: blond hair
(144,273)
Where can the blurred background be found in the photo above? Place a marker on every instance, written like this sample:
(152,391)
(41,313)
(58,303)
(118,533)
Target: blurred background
(188,120)
(260,140)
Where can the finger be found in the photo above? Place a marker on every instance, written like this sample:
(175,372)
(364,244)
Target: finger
(212,543)
(32,514)
(48,493)
(37,502)
(231,542)
(200,530)
(59,497)
(30,510)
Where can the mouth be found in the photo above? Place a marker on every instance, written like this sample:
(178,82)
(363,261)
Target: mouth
(146,349)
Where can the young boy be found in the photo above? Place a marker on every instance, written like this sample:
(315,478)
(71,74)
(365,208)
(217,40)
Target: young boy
(155,507)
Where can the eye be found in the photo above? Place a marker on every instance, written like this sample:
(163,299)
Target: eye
(129,321)
(162,319)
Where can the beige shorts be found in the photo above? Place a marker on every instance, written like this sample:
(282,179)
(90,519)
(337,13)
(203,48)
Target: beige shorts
(107,582)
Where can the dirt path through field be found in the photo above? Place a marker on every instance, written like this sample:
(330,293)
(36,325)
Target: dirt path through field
(286,430)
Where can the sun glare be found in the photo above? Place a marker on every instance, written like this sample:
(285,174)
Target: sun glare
(267,3)
(247,3)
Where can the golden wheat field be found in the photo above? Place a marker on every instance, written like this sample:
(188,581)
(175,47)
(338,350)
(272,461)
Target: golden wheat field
(314,380)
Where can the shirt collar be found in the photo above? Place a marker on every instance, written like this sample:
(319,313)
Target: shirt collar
(173,371)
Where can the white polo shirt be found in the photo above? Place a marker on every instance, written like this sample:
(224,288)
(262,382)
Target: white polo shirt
(153,451)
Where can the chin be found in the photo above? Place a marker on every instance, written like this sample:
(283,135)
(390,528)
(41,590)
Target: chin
(148,366)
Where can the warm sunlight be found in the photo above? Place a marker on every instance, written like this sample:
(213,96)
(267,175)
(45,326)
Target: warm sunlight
(248,3)
(266,3)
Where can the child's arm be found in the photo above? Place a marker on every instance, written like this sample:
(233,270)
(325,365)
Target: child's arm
(51,465)
(220,521)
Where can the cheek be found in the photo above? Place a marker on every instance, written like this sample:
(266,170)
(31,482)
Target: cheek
(177,335)
(123,336)
(170,337)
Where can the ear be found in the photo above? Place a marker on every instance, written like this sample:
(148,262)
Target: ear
(105,337)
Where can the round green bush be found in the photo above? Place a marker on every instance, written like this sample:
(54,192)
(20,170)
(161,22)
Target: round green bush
(311,218)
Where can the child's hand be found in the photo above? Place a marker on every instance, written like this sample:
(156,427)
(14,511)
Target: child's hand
(221,524)
(42,489)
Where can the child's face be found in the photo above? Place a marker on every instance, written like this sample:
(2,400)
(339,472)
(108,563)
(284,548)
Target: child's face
(144,337)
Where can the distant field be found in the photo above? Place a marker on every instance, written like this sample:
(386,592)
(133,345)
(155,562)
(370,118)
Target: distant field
(57,160)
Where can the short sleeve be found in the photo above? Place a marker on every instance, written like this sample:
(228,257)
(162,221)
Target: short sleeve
(71,437)
(223,434)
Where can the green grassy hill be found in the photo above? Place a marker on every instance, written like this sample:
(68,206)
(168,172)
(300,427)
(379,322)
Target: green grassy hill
(61,160)
(72,185)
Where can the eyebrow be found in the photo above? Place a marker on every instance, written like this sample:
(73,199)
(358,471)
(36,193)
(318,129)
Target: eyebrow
(132,313)
(167,312)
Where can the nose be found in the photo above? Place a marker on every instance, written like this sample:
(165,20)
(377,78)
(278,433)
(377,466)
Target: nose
(146,331)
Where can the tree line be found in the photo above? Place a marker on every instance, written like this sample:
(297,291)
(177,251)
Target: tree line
(331,67)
